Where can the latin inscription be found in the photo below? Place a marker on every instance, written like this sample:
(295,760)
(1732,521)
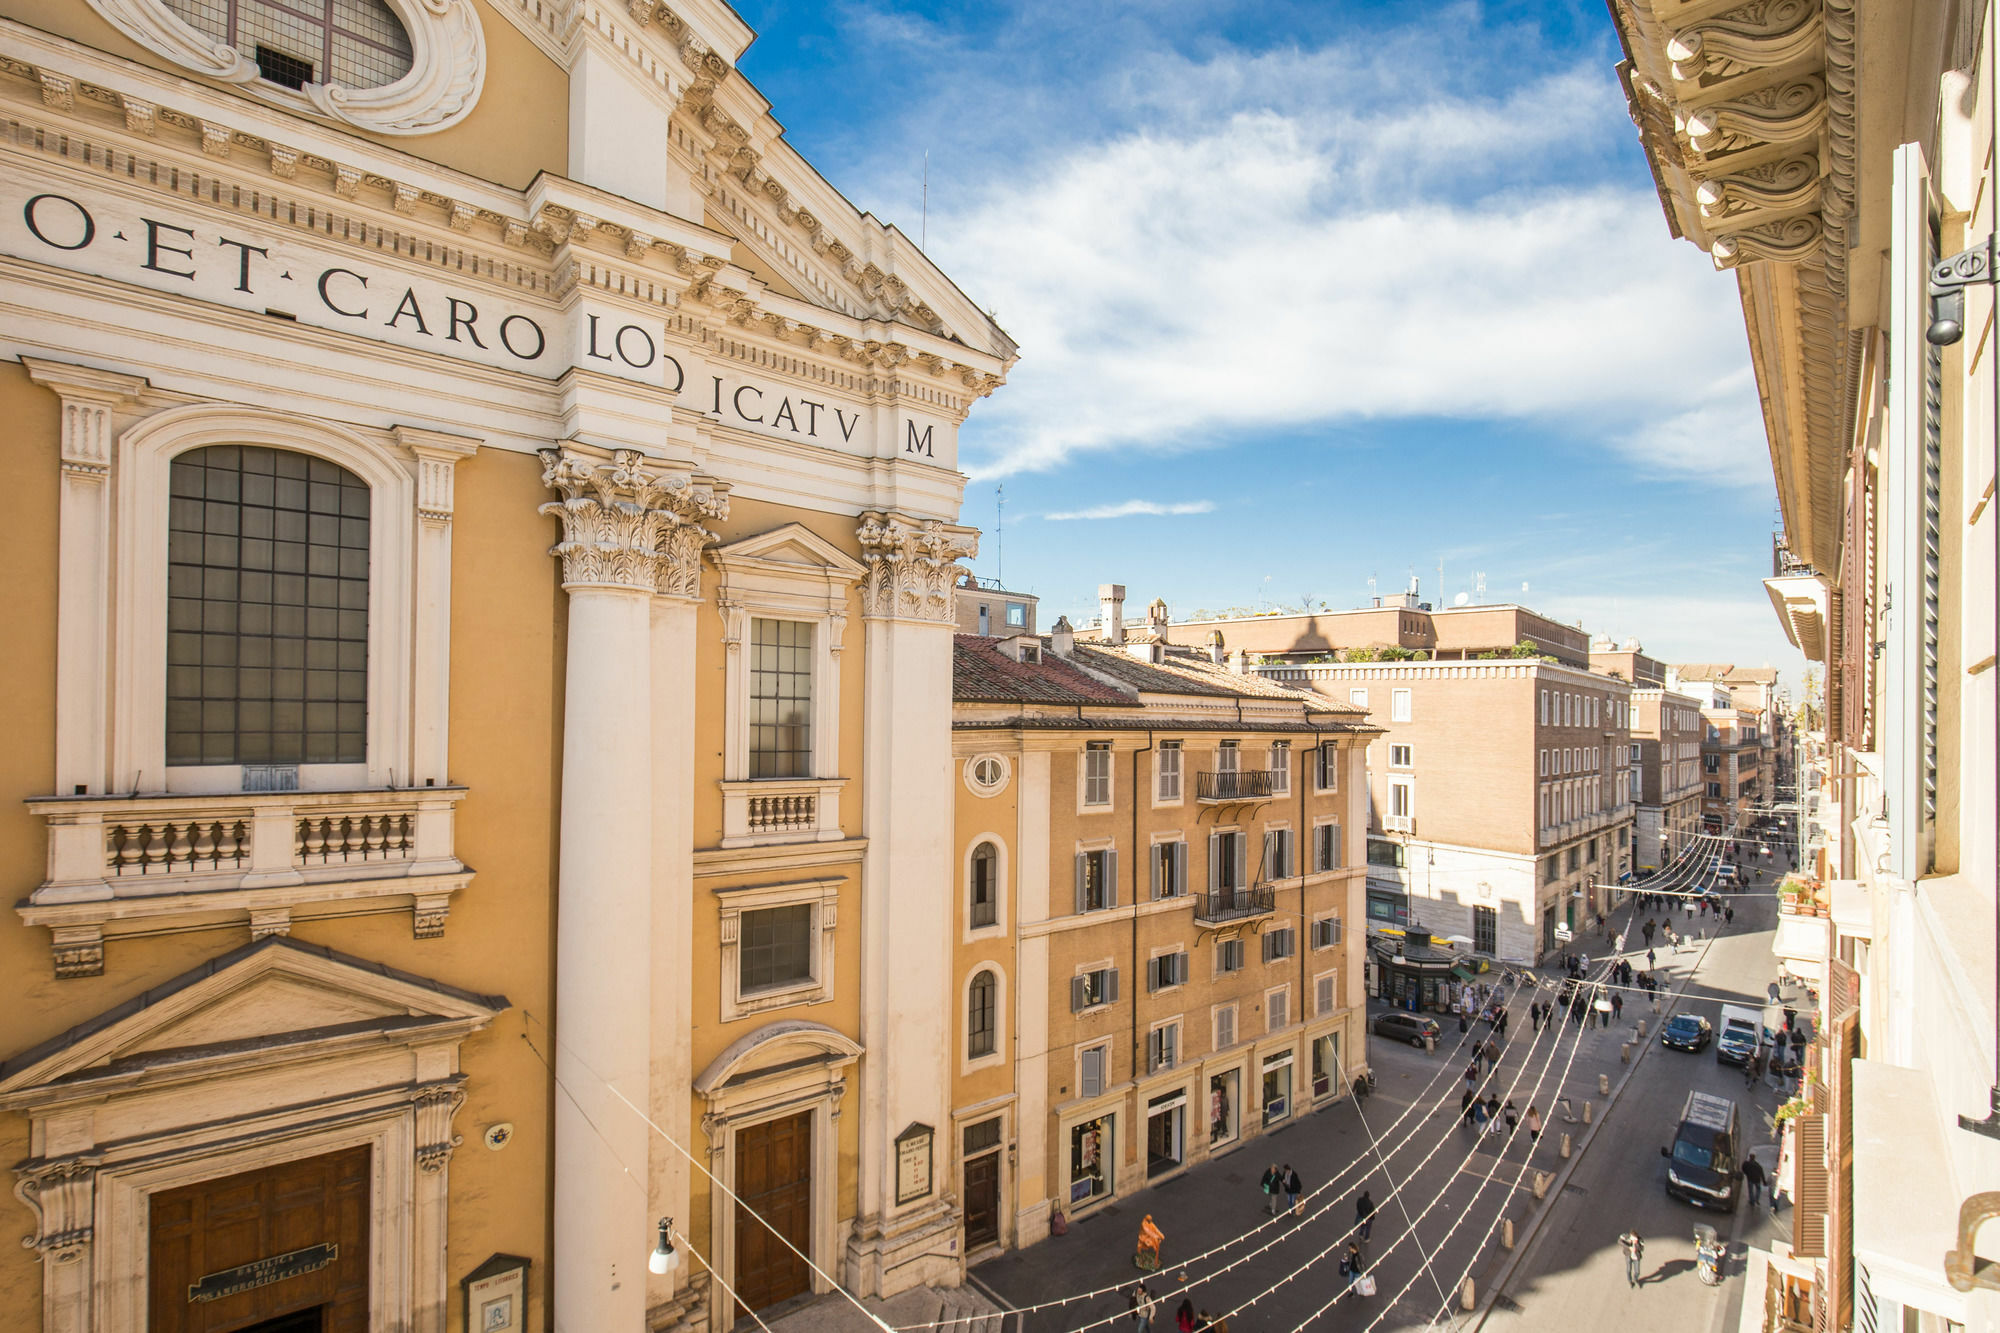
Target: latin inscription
(262,1273)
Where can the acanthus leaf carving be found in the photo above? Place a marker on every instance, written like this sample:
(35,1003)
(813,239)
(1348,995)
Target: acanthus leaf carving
(627,523)
(1785,113)
(436,1105)
(1761,35)
(912,566)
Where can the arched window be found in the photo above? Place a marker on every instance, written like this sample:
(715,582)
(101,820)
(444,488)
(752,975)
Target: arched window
(985,888)
(979,1015)
(267,609)
(352,43)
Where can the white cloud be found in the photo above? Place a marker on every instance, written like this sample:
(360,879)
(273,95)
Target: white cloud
(1128,508)
(1264,270)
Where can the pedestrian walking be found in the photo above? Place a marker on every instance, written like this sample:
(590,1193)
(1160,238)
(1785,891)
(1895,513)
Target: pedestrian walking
(1144,1307)
(1513,1119)
(1184,1317)
(1478,1117)
(1364,1215)
(1463,1026)
(1533,1120)
(1635,1254)
(1293,1188)
(1753,1176)
(1753,1069)
(1472,1072)
(1273,1180)
(1652,960)
(1465,1106)
(1535,1014)
(1492,1054)
(1502,1025)
(1351,1266)
(1617,1004)
(1493,1114)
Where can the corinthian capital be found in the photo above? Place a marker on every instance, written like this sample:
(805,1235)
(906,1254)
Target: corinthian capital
(912,566)
(627,523)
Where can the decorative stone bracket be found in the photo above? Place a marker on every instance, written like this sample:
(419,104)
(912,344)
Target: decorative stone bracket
(62,1194)
(912,566)
(629,524)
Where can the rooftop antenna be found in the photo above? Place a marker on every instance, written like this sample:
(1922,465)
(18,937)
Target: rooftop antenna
(1000,533)
(1479,587)
(924,217)
(1371,588)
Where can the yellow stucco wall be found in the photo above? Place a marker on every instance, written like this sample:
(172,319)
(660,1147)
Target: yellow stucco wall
(519,127)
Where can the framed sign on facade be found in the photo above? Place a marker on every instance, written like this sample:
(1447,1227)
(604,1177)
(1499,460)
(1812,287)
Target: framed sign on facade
(496,1295)
(913,1163)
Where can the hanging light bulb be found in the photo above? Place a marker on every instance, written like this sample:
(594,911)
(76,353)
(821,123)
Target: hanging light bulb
(664,1258)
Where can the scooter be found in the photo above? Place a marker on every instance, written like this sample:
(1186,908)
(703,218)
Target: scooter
(1707,1255)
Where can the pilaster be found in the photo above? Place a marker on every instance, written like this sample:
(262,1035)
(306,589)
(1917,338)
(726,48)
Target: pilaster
(627,526)
(907,816)
(90,398)
(437,457)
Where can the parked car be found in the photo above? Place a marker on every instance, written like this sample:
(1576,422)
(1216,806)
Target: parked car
(1412,1028)
(1687,1032)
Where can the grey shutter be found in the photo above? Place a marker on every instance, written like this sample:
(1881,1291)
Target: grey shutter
(1180,868)
(1111,985)
(1152,974)
(1159,869)
(1338,858)
(1325,995)
(1270,856)
(1242,857)
(1214,862)
(1111,878)
(1092,1079)
(1081,905)
(1079,994)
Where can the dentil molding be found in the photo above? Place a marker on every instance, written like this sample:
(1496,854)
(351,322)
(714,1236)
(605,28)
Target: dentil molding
(629,524)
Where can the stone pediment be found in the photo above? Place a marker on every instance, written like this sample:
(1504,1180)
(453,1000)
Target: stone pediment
(254,1003)
(792,550)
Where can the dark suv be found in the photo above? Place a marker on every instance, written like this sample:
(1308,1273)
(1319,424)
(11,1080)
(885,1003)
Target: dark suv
(1405,1027)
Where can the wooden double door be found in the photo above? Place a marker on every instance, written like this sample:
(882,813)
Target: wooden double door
(774,1183)
(279,1250)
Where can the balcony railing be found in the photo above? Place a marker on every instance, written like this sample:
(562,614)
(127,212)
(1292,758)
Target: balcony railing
(1233,904)
(1249,784)
(780,810)
(135,863)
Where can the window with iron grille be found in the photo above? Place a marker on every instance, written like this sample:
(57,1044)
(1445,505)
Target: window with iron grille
(1326,847)
(1169,969)
(1088,990)
(980,1011)
(781,653)
(1485,930)
(267,609)
(1169,869)
(1097,773)
(984,907)
(775,947)
(1096,880)
(354,43)
(981,1136)
(1163,1046)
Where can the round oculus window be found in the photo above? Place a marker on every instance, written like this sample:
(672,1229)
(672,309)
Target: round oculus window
(986,773)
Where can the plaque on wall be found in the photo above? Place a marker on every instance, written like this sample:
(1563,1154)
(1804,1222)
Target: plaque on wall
(913,1163)
(496,1295)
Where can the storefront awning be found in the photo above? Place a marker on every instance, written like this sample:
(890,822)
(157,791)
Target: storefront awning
(1464,971)
(1905,1201)
(1801,943)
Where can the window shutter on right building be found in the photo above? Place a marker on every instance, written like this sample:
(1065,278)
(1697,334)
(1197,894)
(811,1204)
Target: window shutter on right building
(1081,905)
(1809,1186)
(1325,996)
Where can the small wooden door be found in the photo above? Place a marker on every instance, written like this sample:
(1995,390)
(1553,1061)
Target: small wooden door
(774,1182)
(283,1248)
(982,1201)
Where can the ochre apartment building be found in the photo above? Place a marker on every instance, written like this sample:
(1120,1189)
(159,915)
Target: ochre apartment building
(1156,957)
(484,526)
(1663,779)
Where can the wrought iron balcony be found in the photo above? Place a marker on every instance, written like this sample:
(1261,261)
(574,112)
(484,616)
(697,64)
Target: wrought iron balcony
(1249,784)
(1234,904)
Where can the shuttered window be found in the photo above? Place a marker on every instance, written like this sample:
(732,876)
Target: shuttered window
(1278,1009)
(1229,957)
(1096,880)
(1809,1187)
(1325,994)
(1278,854)
(1326,932)
(1163,1046)
(1169,869)
(1328,767)
(1225,1026)
(1090,1071)
(1097,773)
(1279,944)
(1327,853)
(1170,969)
(1091,989)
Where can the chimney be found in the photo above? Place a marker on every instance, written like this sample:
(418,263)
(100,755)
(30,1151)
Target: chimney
(1062,639)
(1157,619)
(1215,651)
(1111,596)
(1239,662)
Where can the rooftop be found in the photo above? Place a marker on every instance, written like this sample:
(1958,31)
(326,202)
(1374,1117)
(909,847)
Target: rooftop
(982,673)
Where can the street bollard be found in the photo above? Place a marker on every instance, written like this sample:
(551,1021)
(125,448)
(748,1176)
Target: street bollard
(1466,1298)
(1604,1085)
(1625,1053)
(1565,1147)
(1542,1182)
(1656,1005)
(1642,1029)
(1586,1112)
(1430,1044)
(1507,1232)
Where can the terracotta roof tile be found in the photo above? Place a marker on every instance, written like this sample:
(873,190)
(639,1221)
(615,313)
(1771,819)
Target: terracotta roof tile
(981,673)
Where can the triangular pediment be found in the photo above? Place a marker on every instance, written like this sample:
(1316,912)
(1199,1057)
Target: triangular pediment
(270,995)
(792,548)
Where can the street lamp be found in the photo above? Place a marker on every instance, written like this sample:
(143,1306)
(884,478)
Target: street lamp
(664,1258)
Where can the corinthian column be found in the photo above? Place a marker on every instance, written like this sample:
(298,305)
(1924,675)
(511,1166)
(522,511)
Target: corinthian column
(616,515)
(907,999)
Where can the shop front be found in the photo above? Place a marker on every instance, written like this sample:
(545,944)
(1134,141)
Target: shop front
(1277,1088)
(1225,1100)
(1166,1133)
(1327,1077)
(1091,1157)
(1412,974)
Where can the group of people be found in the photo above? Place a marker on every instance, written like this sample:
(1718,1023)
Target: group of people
(1281,1181)
(1187,1319)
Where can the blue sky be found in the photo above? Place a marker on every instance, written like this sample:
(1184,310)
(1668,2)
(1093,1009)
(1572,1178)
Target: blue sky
(1310,294)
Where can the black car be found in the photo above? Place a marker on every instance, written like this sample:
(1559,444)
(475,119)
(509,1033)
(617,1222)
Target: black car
(1686,1032)
(1405,1027)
